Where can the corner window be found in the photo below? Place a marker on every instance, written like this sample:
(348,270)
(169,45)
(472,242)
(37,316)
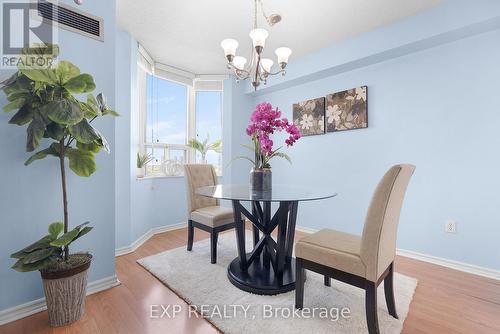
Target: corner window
(172,115)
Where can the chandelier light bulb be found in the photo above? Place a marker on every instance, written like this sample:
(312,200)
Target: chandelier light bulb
(258,37)
(266,64)
(283,53)
(239,62)
(229,45)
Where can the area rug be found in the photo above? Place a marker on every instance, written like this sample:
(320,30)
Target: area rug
(336,309)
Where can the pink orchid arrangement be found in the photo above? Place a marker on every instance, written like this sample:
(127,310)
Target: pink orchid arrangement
(265,121)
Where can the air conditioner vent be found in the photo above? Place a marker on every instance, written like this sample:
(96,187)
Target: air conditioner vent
(72,19)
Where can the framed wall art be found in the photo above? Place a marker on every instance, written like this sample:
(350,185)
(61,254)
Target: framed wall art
(309,116)
(347,110)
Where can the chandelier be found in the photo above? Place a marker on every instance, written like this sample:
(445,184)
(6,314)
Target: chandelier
(259,69)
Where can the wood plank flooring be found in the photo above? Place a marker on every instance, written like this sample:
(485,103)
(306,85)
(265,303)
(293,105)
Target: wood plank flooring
(446,300)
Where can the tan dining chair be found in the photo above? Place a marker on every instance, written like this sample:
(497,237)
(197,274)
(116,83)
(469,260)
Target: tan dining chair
(203,212)
(363,261)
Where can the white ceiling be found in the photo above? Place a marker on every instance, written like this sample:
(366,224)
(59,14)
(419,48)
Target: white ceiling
(187,33)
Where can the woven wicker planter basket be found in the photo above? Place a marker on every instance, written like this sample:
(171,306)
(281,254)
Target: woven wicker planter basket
(65,294)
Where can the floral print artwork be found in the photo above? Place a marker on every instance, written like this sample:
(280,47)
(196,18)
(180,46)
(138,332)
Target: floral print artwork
(347,110)
(309,116)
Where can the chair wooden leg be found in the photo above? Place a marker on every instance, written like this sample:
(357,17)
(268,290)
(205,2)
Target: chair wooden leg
(389,292)
(328,281)
(371,307)
(299,284)
(190,235)
(213,246)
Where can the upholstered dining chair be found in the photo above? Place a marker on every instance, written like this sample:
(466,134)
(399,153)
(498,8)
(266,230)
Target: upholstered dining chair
(363,261)
(203,212)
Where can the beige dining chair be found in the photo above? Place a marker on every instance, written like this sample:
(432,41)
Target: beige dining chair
(203,212)
(363,261)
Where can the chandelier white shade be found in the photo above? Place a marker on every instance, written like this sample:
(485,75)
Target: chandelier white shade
(266,64)
(283,53)
(239,62)
(258,37)
(258,69)
(229,45)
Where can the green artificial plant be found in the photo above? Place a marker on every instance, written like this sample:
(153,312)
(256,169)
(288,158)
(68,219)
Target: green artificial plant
(204,146)
(144,159)
(45,99)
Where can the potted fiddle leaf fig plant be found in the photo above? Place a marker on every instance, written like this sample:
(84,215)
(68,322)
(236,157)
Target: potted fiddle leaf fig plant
(45,100)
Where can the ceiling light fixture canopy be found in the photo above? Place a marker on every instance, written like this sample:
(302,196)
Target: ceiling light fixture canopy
(259,69)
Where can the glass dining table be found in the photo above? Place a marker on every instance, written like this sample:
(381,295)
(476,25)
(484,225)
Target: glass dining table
(269,268)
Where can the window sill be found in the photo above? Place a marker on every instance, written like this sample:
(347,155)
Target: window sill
(152,177)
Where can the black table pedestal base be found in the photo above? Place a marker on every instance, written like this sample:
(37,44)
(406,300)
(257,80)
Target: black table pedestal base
(261,280)
(270,268)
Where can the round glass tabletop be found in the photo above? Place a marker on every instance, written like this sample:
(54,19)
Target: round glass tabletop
(279,193)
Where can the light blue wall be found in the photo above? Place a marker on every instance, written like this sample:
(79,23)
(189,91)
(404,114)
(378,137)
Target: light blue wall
(30,197)
(436,108)
(237,108)
(452,20)
(125,78)
(140,204)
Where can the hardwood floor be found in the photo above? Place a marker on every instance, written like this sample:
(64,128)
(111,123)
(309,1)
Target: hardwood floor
(446,300)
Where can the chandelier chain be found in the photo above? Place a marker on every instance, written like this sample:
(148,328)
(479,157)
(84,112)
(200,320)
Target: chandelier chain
(255,14)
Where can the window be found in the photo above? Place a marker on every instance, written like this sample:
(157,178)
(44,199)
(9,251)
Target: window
(208,124)
(166,128)
(172,113)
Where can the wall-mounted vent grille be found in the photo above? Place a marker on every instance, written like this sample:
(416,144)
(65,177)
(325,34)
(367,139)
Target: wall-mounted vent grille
(72,19)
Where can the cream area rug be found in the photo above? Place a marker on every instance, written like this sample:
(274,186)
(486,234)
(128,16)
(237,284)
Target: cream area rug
(205,286)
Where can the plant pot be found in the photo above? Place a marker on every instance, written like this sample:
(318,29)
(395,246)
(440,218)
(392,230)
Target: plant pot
(140,172)
(65,292)
(261,179)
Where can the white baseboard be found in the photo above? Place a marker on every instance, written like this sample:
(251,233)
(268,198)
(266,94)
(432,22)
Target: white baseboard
(452,264)
(457,265)
(35,306)
(146,236)
(306,229)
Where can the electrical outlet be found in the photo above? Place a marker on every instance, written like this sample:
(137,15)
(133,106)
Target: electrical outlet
(450,226)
